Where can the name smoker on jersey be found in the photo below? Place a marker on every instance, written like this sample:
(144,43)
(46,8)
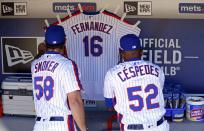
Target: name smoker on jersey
(46,66)
(136,71)
(92,26)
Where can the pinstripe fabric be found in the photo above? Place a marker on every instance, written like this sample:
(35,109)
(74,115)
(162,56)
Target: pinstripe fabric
(93,68)
(65,80)
(67,125)
(115,86)
(76,73)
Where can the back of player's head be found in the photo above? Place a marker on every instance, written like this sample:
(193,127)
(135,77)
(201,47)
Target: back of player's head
(130,42)
(55,35)
(130,47)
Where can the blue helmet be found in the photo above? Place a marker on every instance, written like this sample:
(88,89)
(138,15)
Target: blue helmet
(130,42)
(55,35)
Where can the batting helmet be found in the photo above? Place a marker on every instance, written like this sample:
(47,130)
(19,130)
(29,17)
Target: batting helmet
(55,35)
(130,42)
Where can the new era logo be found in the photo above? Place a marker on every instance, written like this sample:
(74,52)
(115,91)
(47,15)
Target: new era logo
(130,8)
(15,55)
(6,9)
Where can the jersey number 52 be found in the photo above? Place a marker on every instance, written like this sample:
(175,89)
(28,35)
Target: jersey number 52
(136,97)
(43,86)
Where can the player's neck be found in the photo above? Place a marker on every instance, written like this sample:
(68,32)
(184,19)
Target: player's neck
(133,59)
(61,51)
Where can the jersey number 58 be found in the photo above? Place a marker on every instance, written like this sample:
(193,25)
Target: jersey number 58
(43,86)
(136,97)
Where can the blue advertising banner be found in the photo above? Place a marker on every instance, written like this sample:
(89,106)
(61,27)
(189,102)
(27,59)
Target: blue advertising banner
(175,44)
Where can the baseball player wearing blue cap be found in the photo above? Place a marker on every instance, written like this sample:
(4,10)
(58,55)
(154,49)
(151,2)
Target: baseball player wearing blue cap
(134,89)
(56,87)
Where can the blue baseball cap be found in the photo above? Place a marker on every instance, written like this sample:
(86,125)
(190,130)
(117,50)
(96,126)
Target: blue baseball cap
(55,35)
(130,42)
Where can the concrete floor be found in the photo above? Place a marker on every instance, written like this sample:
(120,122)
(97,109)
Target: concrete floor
(96,121)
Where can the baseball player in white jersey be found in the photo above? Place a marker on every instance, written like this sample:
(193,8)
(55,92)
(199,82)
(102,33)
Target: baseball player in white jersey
(136,85)
(56,87)
(92,44)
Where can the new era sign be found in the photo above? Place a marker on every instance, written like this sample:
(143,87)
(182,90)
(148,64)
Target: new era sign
(7,8)
(13,8)
(138,7)
(130,8)
(17,54)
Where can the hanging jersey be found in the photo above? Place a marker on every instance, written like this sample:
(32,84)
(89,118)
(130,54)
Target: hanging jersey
(93,43)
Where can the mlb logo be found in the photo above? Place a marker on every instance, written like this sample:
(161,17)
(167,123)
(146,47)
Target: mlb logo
(145,8)
(7,8)
(20,8)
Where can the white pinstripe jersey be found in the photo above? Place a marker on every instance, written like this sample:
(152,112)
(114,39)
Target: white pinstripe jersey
(93,41)
(53,77)
(137,86)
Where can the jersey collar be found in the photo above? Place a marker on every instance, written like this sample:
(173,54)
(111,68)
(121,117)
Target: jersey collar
(51,52)
(133,59)
(91,13)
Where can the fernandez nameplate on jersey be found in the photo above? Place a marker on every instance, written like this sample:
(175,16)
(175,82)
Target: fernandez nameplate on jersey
(17,54)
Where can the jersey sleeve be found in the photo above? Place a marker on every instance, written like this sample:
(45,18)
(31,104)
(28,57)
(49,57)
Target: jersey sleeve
(109,90)
(125,28)
(161,77)
(71,78)
(108,87)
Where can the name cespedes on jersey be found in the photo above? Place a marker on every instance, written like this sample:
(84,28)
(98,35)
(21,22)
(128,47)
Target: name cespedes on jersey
(137,70)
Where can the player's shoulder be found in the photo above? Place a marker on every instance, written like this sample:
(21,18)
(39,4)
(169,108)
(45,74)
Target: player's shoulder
(150,63)
(67,62)
(36,60)
(116,17)
(117,67)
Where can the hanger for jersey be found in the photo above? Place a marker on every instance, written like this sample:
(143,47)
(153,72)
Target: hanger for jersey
(47,23)
(123,16)
(137,23)
(80,8)
(58,19)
